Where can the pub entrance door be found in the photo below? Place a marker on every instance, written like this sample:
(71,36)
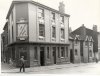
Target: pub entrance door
(54,55)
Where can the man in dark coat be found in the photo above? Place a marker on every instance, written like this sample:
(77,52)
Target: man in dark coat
(22,63)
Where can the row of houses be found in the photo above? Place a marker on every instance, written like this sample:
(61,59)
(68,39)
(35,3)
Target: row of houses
(41,34)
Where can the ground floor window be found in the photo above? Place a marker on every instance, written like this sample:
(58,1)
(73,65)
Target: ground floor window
(62,52)
(67,51)
(48,52)
(35,53)
(23,54)
(58,52)
(90,53)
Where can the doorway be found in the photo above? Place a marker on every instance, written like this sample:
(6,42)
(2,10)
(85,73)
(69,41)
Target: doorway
(42,63)
(71,56)
(54,55)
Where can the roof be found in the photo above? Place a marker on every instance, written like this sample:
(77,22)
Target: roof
(82,33)
(35,3)
(6,24)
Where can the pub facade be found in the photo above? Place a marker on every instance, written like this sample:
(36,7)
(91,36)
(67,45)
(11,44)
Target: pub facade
(37,32)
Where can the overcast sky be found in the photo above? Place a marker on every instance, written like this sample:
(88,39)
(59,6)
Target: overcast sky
(81,11)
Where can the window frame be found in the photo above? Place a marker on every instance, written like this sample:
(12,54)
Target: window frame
(42,32)
(62,33)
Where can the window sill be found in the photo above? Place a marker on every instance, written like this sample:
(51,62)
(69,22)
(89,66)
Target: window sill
(41,38)
(53,39)
(62,57)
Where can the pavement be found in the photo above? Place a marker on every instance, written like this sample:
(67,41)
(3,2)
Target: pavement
(6,68)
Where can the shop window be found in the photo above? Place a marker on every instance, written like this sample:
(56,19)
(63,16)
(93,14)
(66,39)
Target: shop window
(58,52)
(41,30)
(62,52)
(23,54)
(62,33)
(35,53)
(48,52)
(76,52)
(53,32)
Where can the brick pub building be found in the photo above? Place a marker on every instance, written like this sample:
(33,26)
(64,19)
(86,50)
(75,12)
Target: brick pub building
(37,32)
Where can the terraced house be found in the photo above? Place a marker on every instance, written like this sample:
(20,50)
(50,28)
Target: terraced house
(37,32)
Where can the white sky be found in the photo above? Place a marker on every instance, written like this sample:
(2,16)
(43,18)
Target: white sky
(81,11)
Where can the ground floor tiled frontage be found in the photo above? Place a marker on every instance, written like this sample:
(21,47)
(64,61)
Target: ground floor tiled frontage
(38,54)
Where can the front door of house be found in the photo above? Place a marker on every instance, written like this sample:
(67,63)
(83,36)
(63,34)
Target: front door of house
(42,59)
(71,56)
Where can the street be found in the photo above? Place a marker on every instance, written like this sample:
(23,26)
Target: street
(82,68)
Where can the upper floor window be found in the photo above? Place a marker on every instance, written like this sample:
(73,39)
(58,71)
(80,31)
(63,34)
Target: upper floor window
(41,13)
(76,53)
(62,19)
(62,33)
(41,30)
(12,16)
(12,33)
(53,32)
(76,42)
(90,43)
(53,16)
(86,43)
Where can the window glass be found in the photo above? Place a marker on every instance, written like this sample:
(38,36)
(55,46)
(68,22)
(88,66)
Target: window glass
(53,16)
(62,33)
(90,53)
(35,53)
(48,52)
(62,52)
(67,51)
(62,19)
(76,53)
(41,30)
(86,43)
(58,52)
(53,32)
(41,13)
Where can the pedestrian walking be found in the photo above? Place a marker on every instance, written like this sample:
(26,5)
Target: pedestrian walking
(22,64)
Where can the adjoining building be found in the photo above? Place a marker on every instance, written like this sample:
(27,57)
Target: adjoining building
(99,46)
(82,43)
(37,32)
(75,48)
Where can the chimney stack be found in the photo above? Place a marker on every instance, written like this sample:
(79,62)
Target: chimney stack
(61,7)
(95,28)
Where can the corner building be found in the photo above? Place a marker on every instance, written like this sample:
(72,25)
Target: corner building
(37,32)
